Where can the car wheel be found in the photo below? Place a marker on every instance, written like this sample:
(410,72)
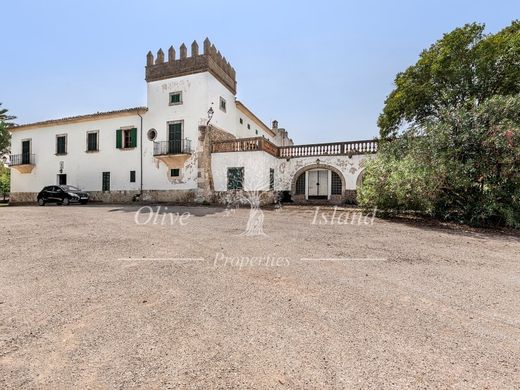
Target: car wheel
(41,202)
(65,202)
(84,202)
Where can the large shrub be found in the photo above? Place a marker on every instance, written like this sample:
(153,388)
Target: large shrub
(454,120)
(463,165)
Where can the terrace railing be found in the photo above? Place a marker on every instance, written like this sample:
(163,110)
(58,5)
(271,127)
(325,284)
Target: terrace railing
(245,145)
(330,149)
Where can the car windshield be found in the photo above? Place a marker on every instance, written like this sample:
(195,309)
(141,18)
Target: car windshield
(69,188)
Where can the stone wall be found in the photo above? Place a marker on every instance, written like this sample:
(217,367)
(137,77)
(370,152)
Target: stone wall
(22,197)
(148,196)
(238,197)
(207,135)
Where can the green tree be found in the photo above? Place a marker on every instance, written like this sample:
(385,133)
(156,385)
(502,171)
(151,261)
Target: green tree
(5,181)
(451,132)
(463,165)
(5,123)
(463,68)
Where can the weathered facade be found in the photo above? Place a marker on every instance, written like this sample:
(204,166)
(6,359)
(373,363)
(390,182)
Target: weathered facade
(193,142)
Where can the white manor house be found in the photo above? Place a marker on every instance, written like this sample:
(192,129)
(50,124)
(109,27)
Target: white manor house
(193,142)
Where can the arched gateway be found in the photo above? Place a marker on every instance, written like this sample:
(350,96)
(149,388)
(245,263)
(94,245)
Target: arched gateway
(318,182)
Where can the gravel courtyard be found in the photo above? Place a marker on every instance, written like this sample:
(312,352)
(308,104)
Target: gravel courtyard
(91,299)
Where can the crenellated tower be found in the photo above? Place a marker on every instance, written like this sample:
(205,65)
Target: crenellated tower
(209,61)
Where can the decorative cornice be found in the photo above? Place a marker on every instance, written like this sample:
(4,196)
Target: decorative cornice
(81,118)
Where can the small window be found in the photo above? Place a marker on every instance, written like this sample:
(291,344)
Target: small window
(222,104)
(241,121)
(132,176)
(175,172)
(175,98)
(248,126)
(92,141)
(235,177)
(300,184)
(106,182)
(335,184)
(256,132)
(271,179)
(61,144)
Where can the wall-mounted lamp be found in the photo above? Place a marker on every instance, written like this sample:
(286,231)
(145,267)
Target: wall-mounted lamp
(210,115)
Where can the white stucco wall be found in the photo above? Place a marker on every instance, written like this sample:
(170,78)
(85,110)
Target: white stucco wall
(199,92)
(254,129)
(83,169)
(256,166)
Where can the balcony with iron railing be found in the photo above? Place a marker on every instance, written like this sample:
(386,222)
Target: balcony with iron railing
(23,163)
(173,147)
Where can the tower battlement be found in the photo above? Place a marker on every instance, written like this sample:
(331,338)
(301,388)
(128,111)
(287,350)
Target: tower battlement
(209,61)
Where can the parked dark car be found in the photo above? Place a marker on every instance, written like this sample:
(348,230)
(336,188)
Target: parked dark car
(62,194)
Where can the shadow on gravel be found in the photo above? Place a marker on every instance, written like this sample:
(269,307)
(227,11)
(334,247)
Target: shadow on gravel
(160,209)
(431,224)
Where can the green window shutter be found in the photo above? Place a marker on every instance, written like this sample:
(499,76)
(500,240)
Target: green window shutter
(119,139)
(133,135)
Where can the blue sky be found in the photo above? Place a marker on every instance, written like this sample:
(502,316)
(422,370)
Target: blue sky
(321,68)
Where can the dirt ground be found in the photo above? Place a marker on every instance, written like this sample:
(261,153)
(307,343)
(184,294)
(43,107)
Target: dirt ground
(91,299)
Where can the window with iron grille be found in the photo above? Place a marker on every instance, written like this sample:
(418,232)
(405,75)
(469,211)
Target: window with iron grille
(106,181)
(271,179)
(335,184)
(300,185)
(175,172)
(132,176)
(61,144)
(235,178)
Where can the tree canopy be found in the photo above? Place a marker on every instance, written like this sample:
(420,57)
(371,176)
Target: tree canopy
(5,123)
(451,132)
(464,67)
